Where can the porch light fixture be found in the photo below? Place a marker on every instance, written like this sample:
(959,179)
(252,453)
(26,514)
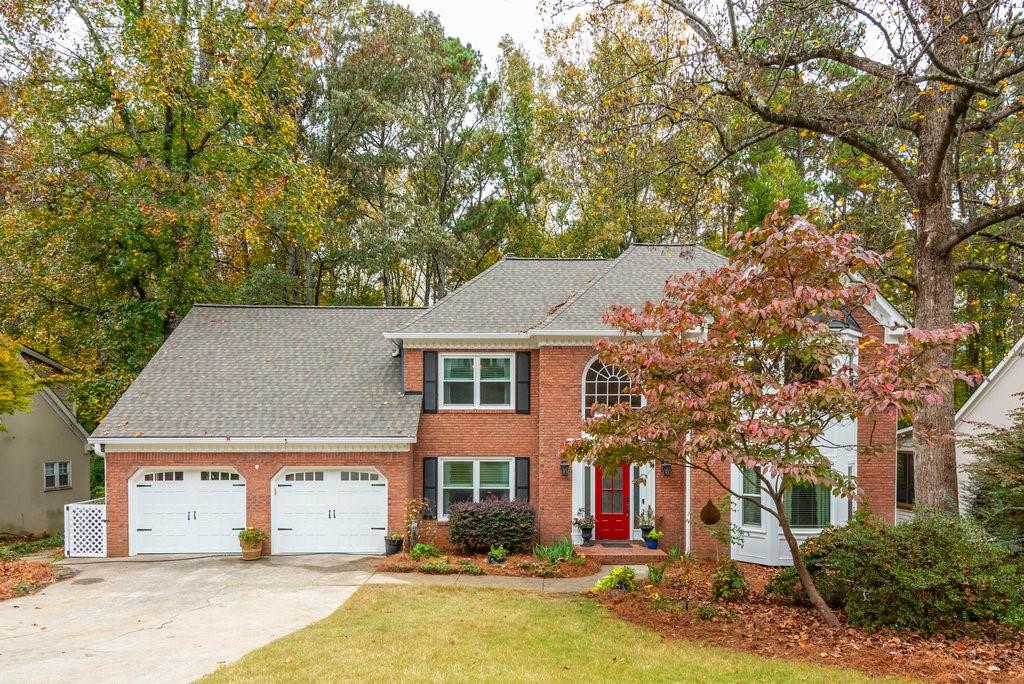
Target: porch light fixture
(564,467)
(666,468)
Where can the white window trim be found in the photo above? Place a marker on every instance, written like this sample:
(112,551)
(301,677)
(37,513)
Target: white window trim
(56,476)
(475,460)
(583,388)
(476,405)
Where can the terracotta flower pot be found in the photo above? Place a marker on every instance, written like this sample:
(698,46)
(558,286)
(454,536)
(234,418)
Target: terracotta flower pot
(251,552)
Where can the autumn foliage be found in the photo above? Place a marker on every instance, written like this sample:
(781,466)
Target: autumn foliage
(755,363)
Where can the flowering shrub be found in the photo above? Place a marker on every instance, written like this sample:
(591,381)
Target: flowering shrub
(493,522)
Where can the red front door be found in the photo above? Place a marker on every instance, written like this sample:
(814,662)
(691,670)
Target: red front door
(613,503)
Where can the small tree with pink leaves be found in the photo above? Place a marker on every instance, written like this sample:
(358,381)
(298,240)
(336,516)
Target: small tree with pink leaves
(748,366)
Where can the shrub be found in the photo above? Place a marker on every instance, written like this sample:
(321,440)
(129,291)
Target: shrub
(439,567)
(497,554)
(619,578)
(478,526)
(469,567)
(728,583)
(421,551)
(707,611)
(937,573)
(558,550)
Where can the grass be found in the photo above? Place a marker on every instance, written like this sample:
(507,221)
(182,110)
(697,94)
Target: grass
(17,549)
(441,634)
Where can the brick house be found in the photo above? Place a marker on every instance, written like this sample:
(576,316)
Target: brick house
(319,423)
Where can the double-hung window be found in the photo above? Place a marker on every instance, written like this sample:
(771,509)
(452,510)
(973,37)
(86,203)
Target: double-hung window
(57,475)
(474,480)
(751,509)
(808,506)
(476,381)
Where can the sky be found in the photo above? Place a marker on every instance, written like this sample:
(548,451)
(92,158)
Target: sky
(482,23)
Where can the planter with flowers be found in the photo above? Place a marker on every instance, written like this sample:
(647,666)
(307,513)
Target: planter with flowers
(252,539)
(652,538)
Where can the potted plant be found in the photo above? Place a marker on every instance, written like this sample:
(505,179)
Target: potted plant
(652,538)
(252,539)
(393,543)
(584,521)
(646,521)
(497,554)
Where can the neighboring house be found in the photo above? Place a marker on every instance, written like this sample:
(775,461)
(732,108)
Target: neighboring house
(989,406)
(44,460)
(319,423)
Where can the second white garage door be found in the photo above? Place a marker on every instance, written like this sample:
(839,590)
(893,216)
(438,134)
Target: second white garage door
(329,511)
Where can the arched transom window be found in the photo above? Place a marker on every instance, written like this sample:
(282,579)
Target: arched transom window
(607,385)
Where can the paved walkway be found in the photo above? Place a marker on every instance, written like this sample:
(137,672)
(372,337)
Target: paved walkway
(176,618)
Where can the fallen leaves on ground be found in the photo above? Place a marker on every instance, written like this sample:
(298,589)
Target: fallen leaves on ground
(763,625)
(517,565)
(19,577)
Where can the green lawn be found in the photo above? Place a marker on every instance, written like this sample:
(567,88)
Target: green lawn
(443,634)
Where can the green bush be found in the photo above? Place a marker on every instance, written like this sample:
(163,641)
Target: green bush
(421,551)
(558,550)
(619,578)
(937,573)
(441,566)
(494,522)
(728,583)
(656,573)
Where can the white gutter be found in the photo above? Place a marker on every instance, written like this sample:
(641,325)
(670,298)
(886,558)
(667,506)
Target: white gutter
(455,336)
(262,441)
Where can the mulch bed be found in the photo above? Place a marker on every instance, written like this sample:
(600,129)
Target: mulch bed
(773,629)
(21,577)
(517,565)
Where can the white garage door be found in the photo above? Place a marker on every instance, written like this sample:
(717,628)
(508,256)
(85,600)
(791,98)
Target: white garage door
(329,511)
(186,511)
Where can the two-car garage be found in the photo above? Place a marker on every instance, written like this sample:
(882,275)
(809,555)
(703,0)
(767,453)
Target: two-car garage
(313,510)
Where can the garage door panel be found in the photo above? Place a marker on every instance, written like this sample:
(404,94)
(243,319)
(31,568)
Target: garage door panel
(184,511)
(338,511)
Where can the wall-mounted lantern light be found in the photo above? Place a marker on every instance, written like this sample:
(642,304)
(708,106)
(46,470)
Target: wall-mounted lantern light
(564,466)
(666,468)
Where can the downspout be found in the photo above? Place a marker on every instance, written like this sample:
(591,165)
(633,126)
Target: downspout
(687,495)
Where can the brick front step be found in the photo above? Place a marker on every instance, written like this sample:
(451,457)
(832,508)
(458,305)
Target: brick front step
(634,553)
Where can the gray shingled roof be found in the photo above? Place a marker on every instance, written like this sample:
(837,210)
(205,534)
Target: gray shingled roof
(246,371)
(512,296)
(517,295)
(636,277)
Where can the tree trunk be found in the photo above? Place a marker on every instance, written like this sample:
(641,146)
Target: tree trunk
(805,577)
(935,469)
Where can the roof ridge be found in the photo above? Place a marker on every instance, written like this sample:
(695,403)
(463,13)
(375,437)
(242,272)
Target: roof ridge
(361,307)
(513,257)
(612,264)
(448,297)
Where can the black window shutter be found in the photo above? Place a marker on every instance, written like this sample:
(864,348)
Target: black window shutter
(523,382)
(430,485)
(523,479)
(430,382)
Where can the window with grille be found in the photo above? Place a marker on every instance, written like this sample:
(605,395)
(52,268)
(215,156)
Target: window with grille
(750,508)
(606,385)
(217,475)
(57,475)
(309,476)
(166,476)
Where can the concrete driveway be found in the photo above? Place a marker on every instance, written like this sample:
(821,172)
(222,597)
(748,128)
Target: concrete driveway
(167,619)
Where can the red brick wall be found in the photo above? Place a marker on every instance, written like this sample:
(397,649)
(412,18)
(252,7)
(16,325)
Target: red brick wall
(561,400)
(412,360)
(704,488)
(876,436)
(472,432)
(670,506)
(396,468)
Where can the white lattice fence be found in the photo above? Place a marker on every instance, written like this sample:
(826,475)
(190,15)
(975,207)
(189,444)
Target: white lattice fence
(85,529)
